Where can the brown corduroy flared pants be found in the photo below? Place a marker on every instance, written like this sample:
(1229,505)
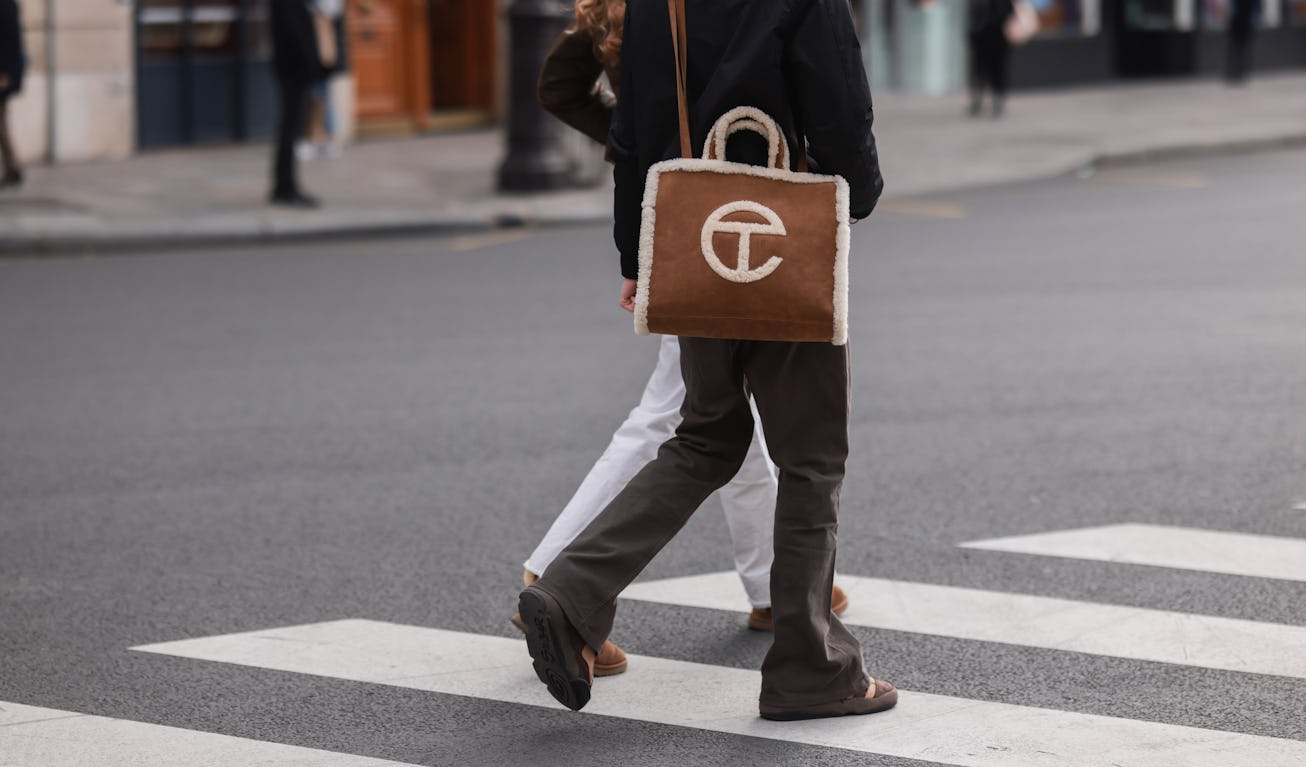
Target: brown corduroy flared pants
(802,392)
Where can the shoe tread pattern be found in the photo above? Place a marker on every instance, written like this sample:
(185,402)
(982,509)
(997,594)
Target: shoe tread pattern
(549,656)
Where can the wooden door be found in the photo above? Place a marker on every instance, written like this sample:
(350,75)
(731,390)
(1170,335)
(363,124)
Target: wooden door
(463,58)
(390,59)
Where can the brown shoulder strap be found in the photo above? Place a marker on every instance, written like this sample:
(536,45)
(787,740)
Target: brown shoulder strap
(680,41)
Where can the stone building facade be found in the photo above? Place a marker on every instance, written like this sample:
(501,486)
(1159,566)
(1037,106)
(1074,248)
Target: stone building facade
(86,110)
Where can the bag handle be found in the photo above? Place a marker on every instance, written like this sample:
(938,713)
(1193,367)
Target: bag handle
(748,119)
(680,43)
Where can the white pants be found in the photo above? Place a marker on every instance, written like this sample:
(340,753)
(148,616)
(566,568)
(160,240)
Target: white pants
(748,501)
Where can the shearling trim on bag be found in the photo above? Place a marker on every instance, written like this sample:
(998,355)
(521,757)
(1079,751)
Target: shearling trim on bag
(742,119)
(741,274)
(649,220)
(777,188)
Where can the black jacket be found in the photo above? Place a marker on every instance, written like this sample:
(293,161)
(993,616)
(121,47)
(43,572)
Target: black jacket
(797,60)
(988,19)
(12,59)
(295,57)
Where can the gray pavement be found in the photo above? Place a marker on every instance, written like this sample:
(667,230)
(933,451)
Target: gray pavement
(445,183)
(211,442)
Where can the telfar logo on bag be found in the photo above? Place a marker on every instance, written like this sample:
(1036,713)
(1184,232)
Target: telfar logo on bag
(774,243)
(716,224)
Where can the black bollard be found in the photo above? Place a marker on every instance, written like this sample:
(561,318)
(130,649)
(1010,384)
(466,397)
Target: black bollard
(536,161)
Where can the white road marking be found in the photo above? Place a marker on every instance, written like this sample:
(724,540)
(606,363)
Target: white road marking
(1019,619)
(1212,551)
(934,728)
(45,737)
(1300,506)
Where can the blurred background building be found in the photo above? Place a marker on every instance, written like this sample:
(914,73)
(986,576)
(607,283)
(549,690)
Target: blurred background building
(913,44)
(154,74)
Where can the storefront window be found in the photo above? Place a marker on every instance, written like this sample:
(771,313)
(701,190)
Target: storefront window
(164,27)
(258,34)
(1150,14)
(214,27)
(162,33)
(1215,13)
(1060,17)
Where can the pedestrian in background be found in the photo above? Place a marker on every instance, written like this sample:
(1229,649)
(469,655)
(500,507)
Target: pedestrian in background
(13,62)
(990,53)
(1242,26)
(738,53)
(571,88)
(321,139)
(298,65)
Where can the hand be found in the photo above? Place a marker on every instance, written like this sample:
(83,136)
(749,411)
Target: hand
(628,295)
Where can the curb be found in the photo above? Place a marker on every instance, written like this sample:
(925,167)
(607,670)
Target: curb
(21,245)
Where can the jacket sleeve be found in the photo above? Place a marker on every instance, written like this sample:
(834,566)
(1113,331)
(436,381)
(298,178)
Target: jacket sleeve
(569,86)
(832,99)
(628,196)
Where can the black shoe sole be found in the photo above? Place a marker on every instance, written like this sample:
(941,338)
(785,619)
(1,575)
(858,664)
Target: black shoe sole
(555,662)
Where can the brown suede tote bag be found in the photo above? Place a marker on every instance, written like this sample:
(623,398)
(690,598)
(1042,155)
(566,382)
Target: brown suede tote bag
(729,250)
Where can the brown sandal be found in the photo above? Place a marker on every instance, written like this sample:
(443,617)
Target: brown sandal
(880,696)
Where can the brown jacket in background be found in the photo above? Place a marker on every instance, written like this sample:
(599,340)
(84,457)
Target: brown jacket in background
(570,88)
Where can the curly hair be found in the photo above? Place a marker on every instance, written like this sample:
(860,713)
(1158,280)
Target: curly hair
(603,19)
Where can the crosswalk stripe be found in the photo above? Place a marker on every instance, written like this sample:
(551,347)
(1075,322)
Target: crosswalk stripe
(1212,551)
(1032,621)
(933,728)
(46,737)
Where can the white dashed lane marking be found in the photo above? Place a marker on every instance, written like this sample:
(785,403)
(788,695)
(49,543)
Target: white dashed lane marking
(1032,621)
(45,737)
(1212,551)
(933,728)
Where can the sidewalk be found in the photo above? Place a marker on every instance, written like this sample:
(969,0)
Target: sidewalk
(445,183)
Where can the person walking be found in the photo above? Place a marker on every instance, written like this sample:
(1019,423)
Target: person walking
(321,139)
(990,53)
(13,63)
(297,62)
(1242,26)
(571,89)
(798,61)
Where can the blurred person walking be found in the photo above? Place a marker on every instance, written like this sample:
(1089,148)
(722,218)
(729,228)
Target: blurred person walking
(298,63)
(571,88)
(13,63)
(321,138)
(990,53)
(800,63)
(1242,27)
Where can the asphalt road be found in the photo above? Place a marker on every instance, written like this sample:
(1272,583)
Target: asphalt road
(201,443)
